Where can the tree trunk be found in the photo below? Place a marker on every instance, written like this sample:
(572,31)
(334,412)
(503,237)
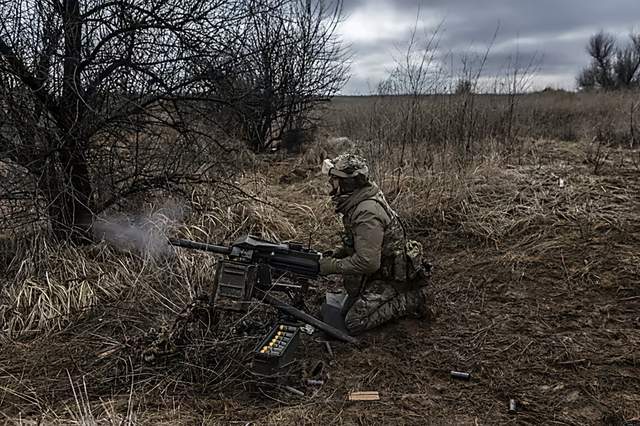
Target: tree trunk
(68,192)
(69,189)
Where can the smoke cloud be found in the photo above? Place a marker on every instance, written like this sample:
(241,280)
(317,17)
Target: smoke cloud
(145,234)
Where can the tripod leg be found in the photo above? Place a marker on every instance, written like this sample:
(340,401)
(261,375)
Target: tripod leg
(305,317)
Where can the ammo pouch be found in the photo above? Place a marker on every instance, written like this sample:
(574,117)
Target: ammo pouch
(417,268)
(407,264)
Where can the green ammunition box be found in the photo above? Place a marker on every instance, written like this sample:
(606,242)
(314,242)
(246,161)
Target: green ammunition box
(276,360)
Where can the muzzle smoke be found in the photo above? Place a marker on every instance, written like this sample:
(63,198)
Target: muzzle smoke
(145,234)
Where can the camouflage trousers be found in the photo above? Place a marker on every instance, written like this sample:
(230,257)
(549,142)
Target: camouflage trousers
(381,302)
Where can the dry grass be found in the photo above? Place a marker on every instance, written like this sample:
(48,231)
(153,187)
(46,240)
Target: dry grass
(47,297)
(536,287)
(554,115)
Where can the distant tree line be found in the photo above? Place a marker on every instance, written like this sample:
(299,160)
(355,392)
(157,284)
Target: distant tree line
(613,66)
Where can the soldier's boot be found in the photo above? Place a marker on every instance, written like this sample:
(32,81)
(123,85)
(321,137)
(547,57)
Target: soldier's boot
(418,304)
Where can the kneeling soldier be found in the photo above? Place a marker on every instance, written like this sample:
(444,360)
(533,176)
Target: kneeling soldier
(383,273)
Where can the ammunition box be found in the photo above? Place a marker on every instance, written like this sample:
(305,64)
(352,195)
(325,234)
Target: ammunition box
(275,353)
(234,283)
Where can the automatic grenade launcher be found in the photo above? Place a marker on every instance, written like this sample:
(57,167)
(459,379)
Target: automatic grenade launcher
(248,269)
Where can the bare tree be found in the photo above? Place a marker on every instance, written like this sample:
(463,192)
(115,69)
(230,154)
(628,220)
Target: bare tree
(587,78)
(601,47)
(95,98)
(611,67)
(291,60)
(627,63)
(464,86)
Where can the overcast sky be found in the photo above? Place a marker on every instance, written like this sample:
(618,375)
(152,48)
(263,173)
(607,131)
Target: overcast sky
(553,31)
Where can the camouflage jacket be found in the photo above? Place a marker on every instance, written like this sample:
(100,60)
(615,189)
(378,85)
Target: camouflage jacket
(374,240)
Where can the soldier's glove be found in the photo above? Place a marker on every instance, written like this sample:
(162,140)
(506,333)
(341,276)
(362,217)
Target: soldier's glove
(338,253)
(341,253)
(328,265)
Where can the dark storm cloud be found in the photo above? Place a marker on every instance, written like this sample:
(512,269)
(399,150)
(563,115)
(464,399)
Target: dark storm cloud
(553,32)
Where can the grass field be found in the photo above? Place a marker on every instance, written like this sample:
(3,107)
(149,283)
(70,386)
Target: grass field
(536,289)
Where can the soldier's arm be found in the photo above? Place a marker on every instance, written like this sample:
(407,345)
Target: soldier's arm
(343,250)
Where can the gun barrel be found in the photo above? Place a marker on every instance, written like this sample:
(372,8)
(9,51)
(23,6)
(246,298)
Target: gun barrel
(178,242)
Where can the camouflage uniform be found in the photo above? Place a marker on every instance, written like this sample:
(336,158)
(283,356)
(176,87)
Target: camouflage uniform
(383,273)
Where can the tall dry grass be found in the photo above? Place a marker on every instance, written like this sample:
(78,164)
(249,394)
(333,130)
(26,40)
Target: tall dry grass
(455,119)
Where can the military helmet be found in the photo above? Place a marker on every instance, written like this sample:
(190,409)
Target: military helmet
(346,166)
